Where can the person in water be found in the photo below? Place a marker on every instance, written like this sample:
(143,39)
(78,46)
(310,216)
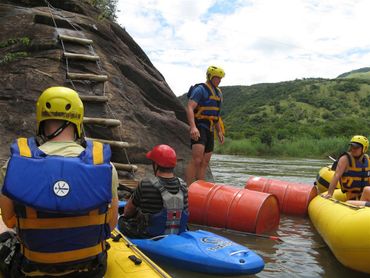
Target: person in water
(158,205)
(352,171)
(60,196)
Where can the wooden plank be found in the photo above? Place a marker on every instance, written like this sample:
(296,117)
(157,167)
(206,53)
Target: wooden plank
(119,144)
(75,39)
(127,182)
(76,56)
(87,98)
(102,121)
(125,167)
(87,76)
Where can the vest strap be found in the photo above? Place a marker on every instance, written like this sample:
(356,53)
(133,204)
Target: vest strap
(62,257)
(98,157)
(24,149)
(64,222)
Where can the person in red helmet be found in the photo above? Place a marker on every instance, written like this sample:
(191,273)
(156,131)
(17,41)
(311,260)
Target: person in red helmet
(158,205)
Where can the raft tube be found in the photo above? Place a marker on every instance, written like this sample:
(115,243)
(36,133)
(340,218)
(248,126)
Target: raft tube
(345,229)
(323,179)
(293,197)
(232,208)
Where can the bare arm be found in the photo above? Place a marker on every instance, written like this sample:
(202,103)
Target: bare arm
(7,211)
(341,167)
(194,132)
(130,209)
(220,135)
(114,213)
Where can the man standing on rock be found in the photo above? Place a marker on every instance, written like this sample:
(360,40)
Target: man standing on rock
(203,112)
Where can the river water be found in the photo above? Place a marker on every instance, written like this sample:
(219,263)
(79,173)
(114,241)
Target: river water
(302,252)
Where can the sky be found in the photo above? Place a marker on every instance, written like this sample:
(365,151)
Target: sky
(254,41)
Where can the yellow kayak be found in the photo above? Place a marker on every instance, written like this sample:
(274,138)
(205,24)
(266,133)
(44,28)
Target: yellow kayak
(126,260)
(122,256)
(344,228)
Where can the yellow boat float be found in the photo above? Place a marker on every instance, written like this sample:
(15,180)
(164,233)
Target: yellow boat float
(344,228)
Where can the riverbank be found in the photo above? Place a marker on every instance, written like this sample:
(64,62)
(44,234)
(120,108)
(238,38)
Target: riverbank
(301,147)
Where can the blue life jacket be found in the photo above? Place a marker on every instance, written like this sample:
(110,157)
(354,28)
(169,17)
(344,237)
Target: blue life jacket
(356,177)
(61,203)
(208,110)
(173,218)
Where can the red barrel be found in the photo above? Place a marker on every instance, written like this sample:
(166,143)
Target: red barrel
(294,198)
(232,208)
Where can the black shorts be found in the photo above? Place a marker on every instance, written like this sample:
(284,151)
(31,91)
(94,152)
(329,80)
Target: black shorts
(206,139)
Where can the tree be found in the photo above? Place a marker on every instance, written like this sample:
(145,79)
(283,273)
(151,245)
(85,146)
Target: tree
(108,8)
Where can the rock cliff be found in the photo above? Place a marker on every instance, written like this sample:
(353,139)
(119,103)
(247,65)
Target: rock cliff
(32,59)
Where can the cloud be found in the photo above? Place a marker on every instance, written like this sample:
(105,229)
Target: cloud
(254,40)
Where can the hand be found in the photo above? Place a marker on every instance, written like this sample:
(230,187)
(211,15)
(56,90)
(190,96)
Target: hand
(221,137)
(194,133)
(327,195)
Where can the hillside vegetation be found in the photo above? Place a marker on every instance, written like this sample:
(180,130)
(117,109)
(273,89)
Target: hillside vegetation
(308,117)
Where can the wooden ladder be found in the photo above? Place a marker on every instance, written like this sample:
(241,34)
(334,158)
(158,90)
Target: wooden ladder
(98,99)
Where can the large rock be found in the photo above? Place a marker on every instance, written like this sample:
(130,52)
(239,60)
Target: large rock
(31,59)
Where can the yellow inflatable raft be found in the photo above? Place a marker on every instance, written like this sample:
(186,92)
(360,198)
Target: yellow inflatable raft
(323,179)
(344,228)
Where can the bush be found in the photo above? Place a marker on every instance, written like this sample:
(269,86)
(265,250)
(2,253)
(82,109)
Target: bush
(108,8)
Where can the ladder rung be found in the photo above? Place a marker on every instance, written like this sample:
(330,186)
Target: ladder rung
(102,121)
(119,144)
(125,167)
(130,183)
(87,76)
(88,98)
(75,39)
(76,56)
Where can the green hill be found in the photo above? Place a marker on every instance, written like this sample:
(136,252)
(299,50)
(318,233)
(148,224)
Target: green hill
(362,73)
(306,111)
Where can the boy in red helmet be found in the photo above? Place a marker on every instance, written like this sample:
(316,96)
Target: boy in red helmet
(158,205)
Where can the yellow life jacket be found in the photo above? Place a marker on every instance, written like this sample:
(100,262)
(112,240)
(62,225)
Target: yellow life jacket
(356,177)
(209,109)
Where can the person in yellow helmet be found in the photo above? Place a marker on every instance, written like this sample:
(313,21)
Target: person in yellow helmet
(60,196)
(203,112)
(352,170)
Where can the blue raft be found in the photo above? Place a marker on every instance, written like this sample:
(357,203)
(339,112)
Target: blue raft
(202,251)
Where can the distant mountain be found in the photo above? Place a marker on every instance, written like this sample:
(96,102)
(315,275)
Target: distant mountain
(312,108)
(363,73)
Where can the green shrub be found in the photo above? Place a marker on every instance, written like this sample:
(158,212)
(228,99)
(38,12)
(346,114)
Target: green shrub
(12,56)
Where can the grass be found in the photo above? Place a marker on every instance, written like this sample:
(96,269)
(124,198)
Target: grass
(301,147)
(23,40)
(12,56)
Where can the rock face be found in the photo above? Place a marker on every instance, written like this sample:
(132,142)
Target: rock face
(31,60)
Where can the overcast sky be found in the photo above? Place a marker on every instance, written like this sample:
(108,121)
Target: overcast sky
(254,41)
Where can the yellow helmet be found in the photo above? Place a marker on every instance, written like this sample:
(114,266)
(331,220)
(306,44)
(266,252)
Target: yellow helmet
(60,103)
(360,140)
(213,71)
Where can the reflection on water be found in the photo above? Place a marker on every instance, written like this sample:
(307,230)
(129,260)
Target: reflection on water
(301,253)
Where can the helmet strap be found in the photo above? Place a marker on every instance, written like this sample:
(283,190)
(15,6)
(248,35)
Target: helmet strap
(155,168)
(58,131)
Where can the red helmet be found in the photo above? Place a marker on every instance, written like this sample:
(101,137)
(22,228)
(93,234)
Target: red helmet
(163,155)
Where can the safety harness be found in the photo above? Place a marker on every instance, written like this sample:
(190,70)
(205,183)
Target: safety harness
(209,109)
(172,219)
(62,204)
(357,175)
